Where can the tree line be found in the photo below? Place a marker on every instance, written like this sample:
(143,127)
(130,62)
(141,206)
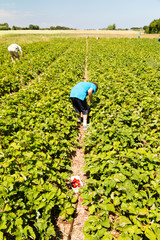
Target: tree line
(154,27)
(5,26)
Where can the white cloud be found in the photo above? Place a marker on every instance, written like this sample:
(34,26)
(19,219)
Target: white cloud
(8,14)
(4,13)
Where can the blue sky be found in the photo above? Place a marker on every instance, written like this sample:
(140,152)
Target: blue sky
(79,14)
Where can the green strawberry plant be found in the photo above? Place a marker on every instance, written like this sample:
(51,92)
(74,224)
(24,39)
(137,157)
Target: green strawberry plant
(37,57)
(38,136)
(122,145)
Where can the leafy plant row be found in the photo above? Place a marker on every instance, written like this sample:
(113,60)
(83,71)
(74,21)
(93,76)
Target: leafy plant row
(123,142)
(38,134)
(37,57)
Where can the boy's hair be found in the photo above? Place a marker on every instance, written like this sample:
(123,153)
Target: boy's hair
(96,85)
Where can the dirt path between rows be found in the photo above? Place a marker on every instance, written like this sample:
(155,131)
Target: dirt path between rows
(81,211)
(78,163)
(74,231)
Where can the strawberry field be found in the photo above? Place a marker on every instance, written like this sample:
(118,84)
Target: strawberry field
(123,143)
(38,134)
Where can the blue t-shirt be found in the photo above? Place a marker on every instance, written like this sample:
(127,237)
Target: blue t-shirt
(80,90)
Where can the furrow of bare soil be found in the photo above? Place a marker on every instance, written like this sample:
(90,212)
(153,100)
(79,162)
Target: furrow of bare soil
(81,214)
(74,230)
(77,169)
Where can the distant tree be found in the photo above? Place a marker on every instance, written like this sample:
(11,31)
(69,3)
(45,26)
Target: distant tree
(154,26)
(4,26)
(24,28)
(60,28)
(146,29)
(30,26)
(136,28)
(36,27)
(52,28)
(33,27)
(16,28)
(111,27)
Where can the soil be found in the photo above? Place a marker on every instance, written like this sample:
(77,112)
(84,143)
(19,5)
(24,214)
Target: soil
(74,231)
(81,212)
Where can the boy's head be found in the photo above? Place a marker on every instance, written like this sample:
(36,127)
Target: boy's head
(96,86)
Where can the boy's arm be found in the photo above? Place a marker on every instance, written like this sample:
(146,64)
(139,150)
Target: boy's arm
(22,53)
(90,92)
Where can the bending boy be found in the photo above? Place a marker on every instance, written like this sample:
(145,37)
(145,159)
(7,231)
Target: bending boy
(13,50)
(78,96)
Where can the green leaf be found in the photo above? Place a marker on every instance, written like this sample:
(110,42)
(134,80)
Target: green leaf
(124,221)
(108,236)
(132,229)
(14,145)
(41,205)
(88,237)
(110,207)
(41,224)
(74,200)
(150,234)
(70,211)
(28,154)
(94,219)
(116,201)
(156,229)
(19,222)
(3,223)
(136,237)
(107,207)
(100,233)
(32,234)
(132,209)
(51,231)
(7,208)
(92,209)
(87,227)
(106,223)
(119,177)
(1,235)
(124,237)
(143,211)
